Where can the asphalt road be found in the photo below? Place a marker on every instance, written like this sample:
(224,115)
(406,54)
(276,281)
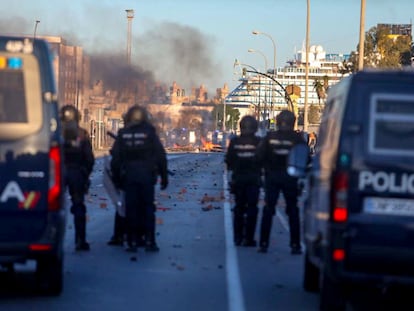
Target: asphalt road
(197,268)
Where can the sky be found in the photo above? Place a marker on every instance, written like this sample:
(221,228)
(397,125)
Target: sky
(196,42)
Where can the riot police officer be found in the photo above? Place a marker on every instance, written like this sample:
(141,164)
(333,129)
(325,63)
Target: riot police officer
(273,152)
(241,159)
(79,161)
(138,157)
(119,228)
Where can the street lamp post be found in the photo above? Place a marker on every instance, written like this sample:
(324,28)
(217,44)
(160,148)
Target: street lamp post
(305,107)
(261,53)
(237,63)
(224,117)
(244,71)
(35,29)
(284,94)
(361,37)
(260,84)
(130,16)
(256,32)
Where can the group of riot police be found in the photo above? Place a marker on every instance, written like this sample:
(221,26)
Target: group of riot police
(138,158)
(257,162)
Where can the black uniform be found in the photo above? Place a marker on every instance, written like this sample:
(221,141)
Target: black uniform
(241,159)
(79,162)
(274,152)
(138,157)
(118,236)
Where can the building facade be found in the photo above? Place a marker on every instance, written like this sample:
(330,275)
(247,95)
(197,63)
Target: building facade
(72,72)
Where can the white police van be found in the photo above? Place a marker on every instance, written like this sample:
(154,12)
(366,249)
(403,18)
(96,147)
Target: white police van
(32,214)
(359,213)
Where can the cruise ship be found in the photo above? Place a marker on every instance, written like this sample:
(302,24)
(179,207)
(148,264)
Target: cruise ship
(266,94)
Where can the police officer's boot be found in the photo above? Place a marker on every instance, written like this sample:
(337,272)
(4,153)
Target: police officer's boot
(294,228)
(150,244)
(119,231)
(250,230)
(265,228)
(238,223)
(131,241)
(141,238)
(80,234)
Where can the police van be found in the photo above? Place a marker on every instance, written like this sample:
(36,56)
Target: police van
(359,213)
(32,213)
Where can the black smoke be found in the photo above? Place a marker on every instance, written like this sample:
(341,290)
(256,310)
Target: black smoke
(116,73)
(168,52)
(180,53)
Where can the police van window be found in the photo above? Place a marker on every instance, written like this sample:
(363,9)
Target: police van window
(20,95)
(12,97)
(391,130)
(331,117)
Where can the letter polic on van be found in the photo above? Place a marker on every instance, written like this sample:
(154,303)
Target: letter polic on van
(386,182)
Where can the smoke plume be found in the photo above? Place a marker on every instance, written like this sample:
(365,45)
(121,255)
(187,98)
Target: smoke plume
(168,52)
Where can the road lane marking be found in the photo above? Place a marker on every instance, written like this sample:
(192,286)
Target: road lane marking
(282,220)
(285,224)
(234,289)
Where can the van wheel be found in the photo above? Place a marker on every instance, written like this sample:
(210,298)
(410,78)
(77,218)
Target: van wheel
(331,294)
(311,275)
(49,275)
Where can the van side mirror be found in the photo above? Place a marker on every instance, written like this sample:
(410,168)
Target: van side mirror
(298,160)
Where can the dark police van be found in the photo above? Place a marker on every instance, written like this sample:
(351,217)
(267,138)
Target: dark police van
(32,214)
(359,213)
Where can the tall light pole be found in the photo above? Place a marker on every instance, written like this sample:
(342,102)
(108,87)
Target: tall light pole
(237,63)
(361,37)
(305,107)
(224,116)
(35,29)
(130,16)
(256,32)
(254,70)
(260,82)
(261,53)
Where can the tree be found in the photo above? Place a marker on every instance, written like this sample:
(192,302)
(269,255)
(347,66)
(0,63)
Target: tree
(314,116)
(384,50)
(232,116)
(325,84)
(319,88)
(349,65)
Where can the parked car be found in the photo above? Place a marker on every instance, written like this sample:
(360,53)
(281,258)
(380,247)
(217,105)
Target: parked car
(359,213)
(32,213)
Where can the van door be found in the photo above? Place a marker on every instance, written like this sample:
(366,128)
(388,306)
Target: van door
(24,147)
(380,223)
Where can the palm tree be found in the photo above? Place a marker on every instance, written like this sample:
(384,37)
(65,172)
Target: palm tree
(325,84)
(318,86)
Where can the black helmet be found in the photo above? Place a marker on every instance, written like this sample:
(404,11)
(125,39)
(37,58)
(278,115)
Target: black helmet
(69,113)
(70,118)
(285,120)
(248,125)
(135,115)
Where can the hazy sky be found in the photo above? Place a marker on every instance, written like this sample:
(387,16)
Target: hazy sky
(194,42)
